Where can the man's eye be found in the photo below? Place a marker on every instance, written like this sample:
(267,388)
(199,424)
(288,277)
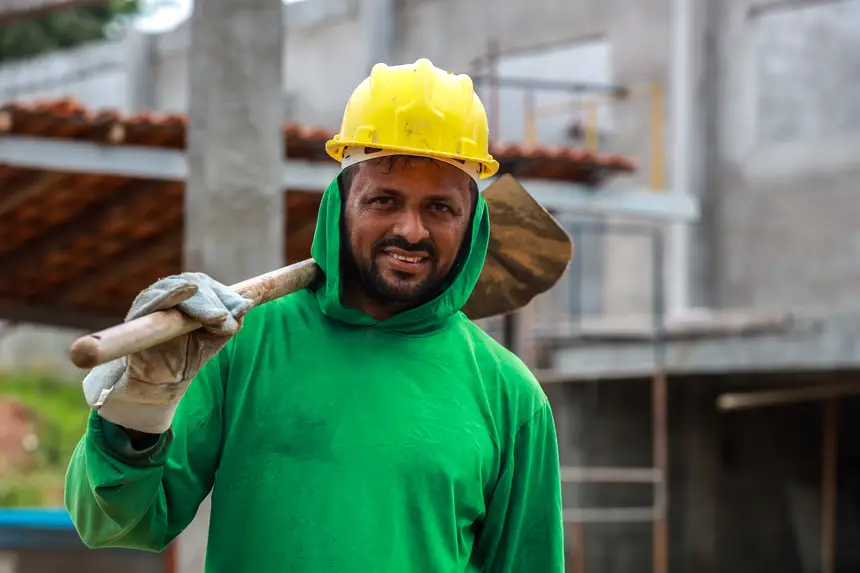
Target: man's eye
(382,200)
(439,207)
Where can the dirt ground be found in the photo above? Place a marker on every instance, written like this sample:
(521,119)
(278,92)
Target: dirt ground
(17,435)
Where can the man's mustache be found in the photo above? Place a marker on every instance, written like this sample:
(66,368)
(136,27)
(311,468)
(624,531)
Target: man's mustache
(403,244)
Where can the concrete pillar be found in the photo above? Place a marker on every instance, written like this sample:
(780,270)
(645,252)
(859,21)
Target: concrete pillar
(378,20)
(695,87)
(139,52)
(234,215)
(704,260)
(683,97)
(234,225)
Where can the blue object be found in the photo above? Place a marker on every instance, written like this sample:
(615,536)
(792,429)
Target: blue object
(36,518)
(37,528)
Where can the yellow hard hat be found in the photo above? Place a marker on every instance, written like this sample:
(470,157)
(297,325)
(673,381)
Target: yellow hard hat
(417,109)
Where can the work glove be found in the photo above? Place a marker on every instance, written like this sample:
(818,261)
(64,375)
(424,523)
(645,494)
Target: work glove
(141,391)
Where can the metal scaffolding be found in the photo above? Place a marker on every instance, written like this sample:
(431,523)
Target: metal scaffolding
(658,473)
(515,330)
(517,335)
(588,97)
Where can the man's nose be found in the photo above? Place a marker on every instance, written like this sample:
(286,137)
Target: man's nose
(411,227)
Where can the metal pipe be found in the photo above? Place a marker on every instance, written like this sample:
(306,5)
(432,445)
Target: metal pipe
(658,513)
(658,179)
(607,475)
(578,547)
(553,85)
(610,515)
(746,400)
(632,93)
(530,119)
(659,393)
(495,85)
(578,302)
(592,132)
(683,99)
(829,483)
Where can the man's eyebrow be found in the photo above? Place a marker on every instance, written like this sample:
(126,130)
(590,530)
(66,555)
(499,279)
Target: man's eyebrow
(442,198)
(395,192)
(387,190)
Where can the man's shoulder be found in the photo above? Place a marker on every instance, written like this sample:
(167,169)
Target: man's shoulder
(503,370)
(290,311)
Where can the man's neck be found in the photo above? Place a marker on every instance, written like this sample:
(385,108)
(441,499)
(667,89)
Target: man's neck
(357,299)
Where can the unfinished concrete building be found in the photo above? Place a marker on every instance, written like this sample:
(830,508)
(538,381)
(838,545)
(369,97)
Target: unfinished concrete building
(701,378)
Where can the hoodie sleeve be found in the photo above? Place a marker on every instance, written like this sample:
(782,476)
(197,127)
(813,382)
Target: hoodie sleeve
(142,499)
(523,530)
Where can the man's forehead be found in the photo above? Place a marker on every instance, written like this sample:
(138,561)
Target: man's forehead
(403,173)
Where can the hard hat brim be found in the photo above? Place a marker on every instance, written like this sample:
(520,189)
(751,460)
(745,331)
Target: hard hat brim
(336,148)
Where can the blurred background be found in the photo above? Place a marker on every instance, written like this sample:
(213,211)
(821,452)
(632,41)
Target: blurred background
(702,353)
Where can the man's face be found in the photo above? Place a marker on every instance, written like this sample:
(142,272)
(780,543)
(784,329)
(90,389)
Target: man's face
(405,221)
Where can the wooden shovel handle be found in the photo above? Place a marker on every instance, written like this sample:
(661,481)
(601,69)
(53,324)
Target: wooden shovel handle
(147,331)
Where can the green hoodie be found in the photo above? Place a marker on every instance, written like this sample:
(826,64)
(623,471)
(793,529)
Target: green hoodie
(333,443)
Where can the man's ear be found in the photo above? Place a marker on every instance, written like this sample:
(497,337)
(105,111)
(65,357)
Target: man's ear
(345,179)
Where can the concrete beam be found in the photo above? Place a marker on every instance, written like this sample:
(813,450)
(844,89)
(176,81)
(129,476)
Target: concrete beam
(809,342)
(632,202)
(136,161)
(171,165)
(701,323)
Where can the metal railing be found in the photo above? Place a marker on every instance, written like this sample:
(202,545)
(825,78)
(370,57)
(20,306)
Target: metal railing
(589,106)
(561,312)
(656,475)
(585,102)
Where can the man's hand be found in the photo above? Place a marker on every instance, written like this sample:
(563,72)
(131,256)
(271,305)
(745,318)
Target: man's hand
(141,391)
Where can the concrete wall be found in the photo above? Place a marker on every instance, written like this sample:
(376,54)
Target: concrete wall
(35,348)
(101,75)
(788,154)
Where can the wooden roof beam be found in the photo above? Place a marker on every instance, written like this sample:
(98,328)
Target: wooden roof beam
(112,271)
(18,265)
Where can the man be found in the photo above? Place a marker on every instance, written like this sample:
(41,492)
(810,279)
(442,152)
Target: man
(361,425)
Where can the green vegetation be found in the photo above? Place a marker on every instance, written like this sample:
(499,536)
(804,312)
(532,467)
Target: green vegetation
(60,414)
(63,29)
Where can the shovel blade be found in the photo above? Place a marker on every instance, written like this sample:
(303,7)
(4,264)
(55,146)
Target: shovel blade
(529,251)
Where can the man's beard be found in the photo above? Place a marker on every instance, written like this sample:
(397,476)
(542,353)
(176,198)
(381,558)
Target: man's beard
(369,279)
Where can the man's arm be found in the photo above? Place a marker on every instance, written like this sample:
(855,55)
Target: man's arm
(523,529)
(121,496)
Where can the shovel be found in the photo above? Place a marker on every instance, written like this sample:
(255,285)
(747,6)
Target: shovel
(528,253)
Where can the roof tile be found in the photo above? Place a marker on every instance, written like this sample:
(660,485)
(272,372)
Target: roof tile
(68,118)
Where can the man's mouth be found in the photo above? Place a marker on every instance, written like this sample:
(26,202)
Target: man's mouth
(405,261)
(405,258)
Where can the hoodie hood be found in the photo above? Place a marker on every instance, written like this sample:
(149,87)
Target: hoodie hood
(420,320)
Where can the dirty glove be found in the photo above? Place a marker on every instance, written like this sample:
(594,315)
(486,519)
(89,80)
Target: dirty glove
(141,391)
